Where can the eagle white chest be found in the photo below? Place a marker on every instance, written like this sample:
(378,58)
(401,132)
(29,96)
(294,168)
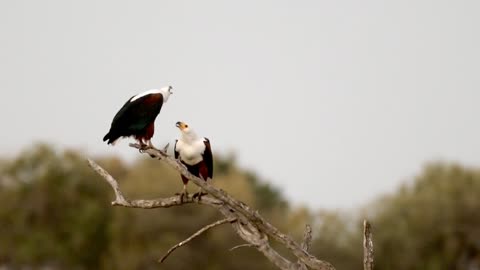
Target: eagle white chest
(190,152)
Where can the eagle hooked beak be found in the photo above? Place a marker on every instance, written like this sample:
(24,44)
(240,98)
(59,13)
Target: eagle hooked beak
(181,125)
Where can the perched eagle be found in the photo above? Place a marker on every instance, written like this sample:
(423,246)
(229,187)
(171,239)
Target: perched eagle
(195,153)
(136,118)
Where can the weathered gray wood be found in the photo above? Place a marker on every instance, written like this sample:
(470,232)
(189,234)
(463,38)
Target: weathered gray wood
(249,225)
(367,246)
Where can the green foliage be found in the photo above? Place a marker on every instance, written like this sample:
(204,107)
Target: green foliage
(432,223)
(51,210)
(56,212)
(267,196)
(338,240)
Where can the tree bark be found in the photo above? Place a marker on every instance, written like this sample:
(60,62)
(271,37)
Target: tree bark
(367,246)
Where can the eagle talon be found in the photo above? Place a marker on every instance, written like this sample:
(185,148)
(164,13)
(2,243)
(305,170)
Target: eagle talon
(183,194)
(199,195)
(143,147)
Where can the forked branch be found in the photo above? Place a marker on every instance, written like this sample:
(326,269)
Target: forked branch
(120,200)
(247,223)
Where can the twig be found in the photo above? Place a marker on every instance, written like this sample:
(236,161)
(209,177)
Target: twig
(119,199)
(165,148)
(240,246)
(367,246)
(202,230)
(307,238)
(306,244)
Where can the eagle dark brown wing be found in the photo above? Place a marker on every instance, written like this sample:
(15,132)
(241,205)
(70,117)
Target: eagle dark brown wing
(175,150)
(134,116)
(208,157)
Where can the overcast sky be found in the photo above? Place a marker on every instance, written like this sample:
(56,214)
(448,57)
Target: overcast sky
(335,102)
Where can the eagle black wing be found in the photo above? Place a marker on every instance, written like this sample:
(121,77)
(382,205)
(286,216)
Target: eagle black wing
(175,150)
(208,157)
(138,114)
(134,116)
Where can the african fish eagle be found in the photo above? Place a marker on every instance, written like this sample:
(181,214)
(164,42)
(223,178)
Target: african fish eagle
(136,118)
(195,153)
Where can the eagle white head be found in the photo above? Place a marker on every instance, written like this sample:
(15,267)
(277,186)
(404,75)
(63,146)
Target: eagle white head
(166,92)
(187,132)
(184,128)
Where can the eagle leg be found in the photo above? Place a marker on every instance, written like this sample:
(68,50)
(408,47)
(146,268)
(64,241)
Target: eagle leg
(150,144)
(184,193)
(143,145)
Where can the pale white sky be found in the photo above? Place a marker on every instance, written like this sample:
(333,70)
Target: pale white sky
(335,102)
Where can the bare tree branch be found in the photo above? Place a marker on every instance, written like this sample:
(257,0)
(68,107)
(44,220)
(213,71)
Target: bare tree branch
(252,216)
(146,204)
(307,238)
(119,199)
(202,230)
(307,242)
(367,246)
(249,225)
(240,246)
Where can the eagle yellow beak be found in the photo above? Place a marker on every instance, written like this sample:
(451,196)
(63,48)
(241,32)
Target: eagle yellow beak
(181,125)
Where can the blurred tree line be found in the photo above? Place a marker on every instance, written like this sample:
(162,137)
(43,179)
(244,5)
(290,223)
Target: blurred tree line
(55,213)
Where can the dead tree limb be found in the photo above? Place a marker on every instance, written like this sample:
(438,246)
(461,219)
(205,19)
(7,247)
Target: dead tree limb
(199,232)
(307,242)
(240,246)
(249,225)
(367,246)
(146,204)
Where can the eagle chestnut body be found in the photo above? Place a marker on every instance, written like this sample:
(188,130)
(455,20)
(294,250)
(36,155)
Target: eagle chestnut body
(196,156)
(137,116)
